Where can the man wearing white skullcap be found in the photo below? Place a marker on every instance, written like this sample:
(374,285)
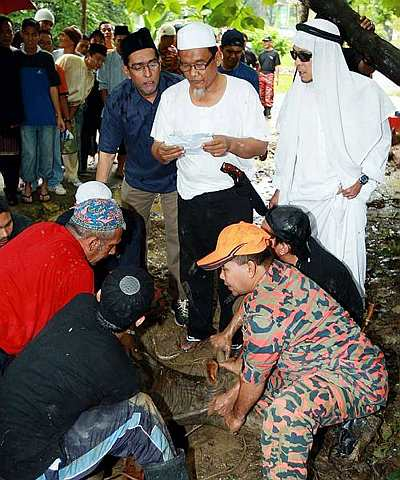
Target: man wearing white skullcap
(45,18)
(92,189)
(204,121)
(334,143)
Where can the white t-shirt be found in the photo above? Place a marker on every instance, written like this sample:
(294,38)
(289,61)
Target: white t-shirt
(238,113)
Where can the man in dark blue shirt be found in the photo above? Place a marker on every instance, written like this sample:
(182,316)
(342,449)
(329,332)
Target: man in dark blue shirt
(232,46)
(128,116)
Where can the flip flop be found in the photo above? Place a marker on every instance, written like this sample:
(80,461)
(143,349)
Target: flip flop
(44,197)
(26,198)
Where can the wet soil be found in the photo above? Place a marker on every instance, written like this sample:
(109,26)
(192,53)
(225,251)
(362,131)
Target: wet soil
(216,454)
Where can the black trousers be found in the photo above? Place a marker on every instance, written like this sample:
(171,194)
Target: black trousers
(200,221)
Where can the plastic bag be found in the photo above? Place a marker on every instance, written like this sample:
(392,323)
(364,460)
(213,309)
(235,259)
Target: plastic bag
(68,143)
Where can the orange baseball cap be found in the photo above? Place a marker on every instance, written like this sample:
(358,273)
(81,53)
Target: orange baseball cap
(237,239)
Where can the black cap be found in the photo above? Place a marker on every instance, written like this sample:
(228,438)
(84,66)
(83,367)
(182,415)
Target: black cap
(292,225)
(97,48)
(233,38)
(121,30)
(138,40)
(126,295)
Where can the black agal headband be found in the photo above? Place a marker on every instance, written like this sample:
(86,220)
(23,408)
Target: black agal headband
(318,33)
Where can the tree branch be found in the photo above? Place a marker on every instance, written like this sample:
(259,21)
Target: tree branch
(378,52)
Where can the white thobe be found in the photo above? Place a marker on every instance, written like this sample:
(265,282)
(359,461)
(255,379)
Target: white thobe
(337,222)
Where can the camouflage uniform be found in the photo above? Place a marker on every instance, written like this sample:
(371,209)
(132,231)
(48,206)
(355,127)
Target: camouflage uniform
(319,368)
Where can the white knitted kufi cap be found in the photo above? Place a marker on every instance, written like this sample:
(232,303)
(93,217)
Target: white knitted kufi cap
(195,35)
(92,190)
(44,14)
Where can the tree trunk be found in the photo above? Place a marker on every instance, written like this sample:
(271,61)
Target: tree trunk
(378,52)
(84,15)
(304,11)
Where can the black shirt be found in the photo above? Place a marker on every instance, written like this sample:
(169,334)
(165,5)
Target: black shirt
(72,365)
(131,250)
(11,111)
(333,276)
(249,58)
(269,59)
(20,222)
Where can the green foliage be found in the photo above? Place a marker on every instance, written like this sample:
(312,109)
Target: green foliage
(69,12)
(382,12)
(394,476)
(281,44)
(217,13)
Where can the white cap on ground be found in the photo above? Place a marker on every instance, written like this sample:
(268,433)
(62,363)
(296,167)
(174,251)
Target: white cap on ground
(195,35)
(44,14)
(92,190)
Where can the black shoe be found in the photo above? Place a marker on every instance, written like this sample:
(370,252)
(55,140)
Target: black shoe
(181,312)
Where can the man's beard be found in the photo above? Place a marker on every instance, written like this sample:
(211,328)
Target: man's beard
(199,93)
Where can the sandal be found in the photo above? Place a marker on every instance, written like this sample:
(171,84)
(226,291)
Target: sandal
(44,197)
(26,198)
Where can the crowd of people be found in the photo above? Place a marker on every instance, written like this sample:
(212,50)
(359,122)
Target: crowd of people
(291,291)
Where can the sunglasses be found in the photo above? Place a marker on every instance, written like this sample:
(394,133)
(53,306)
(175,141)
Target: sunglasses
(302,56)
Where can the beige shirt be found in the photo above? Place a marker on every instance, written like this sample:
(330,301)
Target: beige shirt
(79,78)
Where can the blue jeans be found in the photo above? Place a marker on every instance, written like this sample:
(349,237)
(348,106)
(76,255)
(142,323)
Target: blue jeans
(58,173)
(37,152)
(133,427)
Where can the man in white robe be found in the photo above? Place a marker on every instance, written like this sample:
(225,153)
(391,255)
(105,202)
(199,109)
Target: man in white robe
(334,143)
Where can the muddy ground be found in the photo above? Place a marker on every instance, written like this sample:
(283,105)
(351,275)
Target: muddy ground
(216,454)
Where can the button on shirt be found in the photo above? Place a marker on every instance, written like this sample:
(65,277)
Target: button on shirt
(129,117)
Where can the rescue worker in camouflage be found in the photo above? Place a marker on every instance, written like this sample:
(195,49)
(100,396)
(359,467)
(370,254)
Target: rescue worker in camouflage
(306,363)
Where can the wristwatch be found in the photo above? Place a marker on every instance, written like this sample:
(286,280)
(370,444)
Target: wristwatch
(363,179)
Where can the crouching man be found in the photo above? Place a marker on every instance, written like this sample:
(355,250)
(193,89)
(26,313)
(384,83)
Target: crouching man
(306,363)
(72,396)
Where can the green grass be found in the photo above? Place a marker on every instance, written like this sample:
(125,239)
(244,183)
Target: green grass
(287,60)
(285,81)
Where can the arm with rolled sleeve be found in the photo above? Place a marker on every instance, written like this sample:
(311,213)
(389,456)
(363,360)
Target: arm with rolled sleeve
(111,136)
(263,344)
(259,358)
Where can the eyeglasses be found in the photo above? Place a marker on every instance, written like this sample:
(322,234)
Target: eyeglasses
(141,67)
(201,66)
(302,56)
